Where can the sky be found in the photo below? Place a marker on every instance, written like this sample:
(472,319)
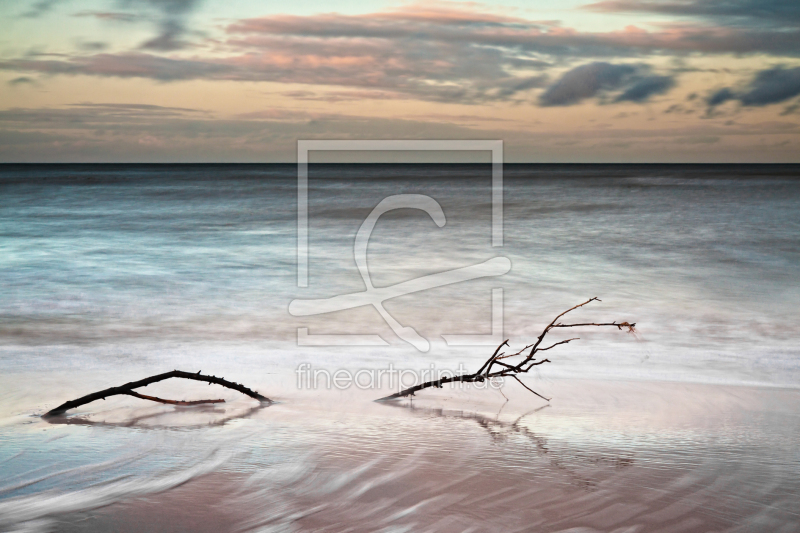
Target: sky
(241,81)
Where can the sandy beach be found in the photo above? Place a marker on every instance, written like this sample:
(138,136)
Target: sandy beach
(601,457)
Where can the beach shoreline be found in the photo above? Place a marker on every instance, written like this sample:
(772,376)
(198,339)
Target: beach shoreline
(604,456)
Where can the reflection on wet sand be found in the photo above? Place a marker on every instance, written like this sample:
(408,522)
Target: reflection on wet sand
(635,462)
(501,432)
(211,413)
(453,470)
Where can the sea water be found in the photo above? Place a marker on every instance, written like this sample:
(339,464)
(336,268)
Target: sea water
(110,273)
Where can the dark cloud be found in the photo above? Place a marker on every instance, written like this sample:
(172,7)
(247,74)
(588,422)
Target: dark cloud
(130,65)
(599,78)
(93,46)
(442,117)
(170,16)
(646,87)
(434,55)
(168,40)
(114,16)
(780,13)
(342,96)
(771,86)
(137,109)
(76,115)
(22,80)
(521,36)
(467,76)
(585,81)
(720,97)
(512,87)
(39,8)
(174,8)
(698,139)
(717,26)
(790,109)
(172,22)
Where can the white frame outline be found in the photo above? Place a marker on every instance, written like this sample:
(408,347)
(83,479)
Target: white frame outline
(495,147)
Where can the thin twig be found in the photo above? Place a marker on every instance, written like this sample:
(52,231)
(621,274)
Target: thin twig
(170,402)
(556,344)
(494,355)
(530,389)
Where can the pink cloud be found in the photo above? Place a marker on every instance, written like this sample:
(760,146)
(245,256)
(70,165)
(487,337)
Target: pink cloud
(440,52)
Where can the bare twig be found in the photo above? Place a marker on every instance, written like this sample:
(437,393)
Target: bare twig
(170,402)
(556,344)
(529,361)
(530,389)
(493,357)
(127,389)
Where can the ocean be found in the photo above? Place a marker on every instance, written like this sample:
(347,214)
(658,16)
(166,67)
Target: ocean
(111,273)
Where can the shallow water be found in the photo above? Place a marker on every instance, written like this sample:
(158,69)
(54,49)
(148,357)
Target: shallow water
(112,273)
(611,456)
(102,265)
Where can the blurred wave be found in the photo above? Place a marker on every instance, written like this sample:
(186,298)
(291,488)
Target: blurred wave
(35,512)
(149,260)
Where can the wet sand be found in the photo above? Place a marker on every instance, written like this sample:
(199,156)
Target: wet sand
(603,457)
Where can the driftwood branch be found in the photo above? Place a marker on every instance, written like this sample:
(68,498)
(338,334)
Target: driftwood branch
(127,389)
(512,370)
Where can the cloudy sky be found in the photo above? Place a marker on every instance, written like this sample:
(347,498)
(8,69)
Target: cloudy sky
(241,80)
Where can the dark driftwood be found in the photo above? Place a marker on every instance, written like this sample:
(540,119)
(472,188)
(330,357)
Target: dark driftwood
(511,370)
(127,389)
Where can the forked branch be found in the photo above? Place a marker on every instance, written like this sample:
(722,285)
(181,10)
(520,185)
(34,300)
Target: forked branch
(127,389)
(512,370)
